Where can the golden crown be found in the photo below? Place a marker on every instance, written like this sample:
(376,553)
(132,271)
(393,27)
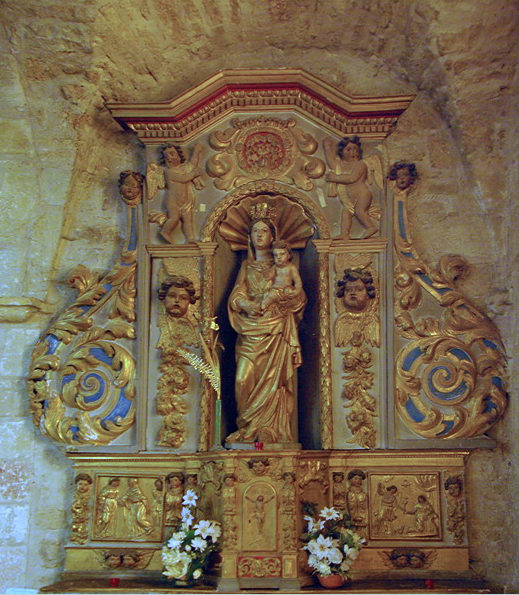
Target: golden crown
(262,210)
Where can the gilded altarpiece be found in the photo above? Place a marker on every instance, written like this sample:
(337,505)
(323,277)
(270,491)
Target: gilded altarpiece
(270,336)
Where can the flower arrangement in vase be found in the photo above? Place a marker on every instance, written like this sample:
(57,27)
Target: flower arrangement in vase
(331,542)
(186,555)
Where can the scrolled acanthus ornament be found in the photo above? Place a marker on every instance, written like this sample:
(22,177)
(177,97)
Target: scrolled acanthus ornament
(451,374)
(81,380)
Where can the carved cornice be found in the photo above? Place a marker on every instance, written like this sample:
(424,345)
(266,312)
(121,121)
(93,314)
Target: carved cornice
(275,90)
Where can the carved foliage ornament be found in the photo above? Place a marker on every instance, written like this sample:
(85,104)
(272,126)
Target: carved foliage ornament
(258,567)
(263,147)
(358,327)
(451,372)
(177,296)
(81,381)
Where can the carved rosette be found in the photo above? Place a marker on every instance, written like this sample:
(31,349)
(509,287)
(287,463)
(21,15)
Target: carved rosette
(264,147)
(81,381)
(451,371)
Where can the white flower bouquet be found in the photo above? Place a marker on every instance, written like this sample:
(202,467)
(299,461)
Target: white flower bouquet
(331,541)
(186,555)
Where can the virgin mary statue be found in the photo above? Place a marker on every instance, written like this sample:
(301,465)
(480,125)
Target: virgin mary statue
(268,351)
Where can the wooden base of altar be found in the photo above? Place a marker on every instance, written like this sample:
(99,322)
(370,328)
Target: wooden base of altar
(409,506)
(356,586)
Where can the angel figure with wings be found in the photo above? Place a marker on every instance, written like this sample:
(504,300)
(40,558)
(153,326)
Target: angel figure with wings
(180,177)
(349,179)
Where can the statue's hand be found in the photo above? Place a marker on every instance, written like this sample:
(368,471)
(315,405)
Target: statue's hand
(331,177)
(250,308)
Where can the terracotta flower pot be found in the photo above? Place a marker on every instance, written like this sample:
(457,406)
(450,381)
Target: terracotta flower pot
(332,581)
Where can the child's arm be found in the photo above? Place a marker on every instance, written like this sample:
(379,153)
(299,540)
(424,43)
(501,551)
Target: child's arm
(183,173)
(330,153)
(296,279)
(359,170)
(195,157)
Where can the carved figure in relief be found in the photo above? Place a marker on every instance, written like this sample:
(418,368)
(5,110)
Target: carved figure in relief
(403,174)
(286,280)
(107,507)
(425,517)
(130,187)
(408,557)
(455,509)
(339,491)
(288,493)
(157,498)
(134,559)
(229,510)
(136,510)
(81,508)
(357,501)
(267,350)
(389,503)
(174,497)
(258,466)
(229,494)
(211,487)
(358,292)
(350,181)
(181,177)
(177,293)
(257,516)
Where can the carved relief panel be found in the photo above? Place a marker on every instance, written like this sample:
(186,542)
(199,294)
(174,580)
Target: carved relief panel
(405,506)
(123,509)
(175,325)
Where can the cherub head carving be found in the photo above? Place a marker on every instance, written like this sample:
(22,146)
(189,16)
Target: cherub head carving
(356,288)
(403,174)
(130,187)
(453,486)
(177,292)
(172,155)
(350,148)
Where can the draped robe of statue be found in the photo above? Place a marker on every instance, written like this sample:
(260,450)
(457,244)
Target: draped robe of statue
(268,353)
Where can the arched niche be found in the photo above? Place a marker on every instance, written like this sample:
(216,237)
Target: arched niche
(302,223)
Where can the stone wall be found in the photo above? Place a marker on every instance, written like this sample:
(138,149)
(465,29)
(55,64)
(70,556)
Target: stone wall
(61,153)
